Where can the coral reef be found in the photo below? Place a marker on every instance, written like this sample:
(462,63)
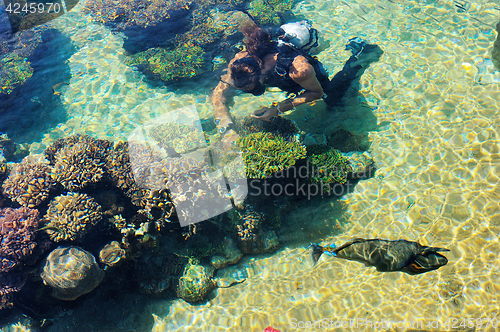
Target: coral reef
(123,14)
(17,235)
(196,193)
(18,250)
(156,271)
(184,61)
(29,182)
(327,165)
(71,272)
(279,126)
(269,11)
(119,168)
(230,255)
(78,161)
(177,138)
(495,53)
(11,150)
(69,217)
(14,72)
(196,281)
(113,254)
(265,154)
(10,283)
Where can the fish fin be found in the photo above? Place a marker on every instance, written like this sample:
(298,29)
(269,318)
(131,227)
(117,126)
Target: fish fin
(317,251)
(348,243)
(428,250)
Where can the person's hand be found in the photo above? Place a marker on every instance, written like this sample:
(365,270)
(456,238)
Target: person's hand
(266,113)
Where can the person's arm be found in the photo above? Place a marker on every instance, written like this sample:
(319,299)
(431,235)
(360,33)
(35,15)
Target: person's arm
(302,72)
(221,96)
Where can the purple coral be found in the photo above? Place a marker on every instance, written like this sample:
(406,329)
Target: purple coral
(17,236)
(17,248)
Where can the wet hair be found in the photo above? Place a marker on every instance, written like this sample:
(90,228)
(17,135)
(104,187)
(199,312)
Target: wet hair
(245,71)
(257,41)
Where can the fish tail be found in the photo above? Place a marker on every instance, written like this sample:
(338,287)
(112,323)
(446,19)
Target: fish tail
(317,251)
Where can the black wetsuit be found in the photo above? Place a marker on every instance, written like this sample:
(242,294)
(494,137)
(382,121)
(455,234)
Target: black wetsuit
(334,89)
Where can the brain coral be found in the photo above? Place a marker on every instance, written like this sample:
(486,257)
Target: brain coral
(17,236)
(71,272)
(29,182)
(78,161)
(71,216)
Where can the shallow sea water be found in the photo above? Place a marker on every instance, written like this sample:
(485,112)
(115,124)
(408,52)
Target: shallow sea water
(430,108)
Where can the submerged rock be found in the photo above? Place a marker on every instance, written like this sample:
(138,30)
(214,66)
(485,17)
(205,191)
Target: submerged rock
(196,281)
(231,255)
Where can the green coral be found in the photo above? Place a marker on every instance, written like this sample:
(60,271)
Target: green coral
(14,71)
(327,165)
(269,11)
(182,62)
(265,154)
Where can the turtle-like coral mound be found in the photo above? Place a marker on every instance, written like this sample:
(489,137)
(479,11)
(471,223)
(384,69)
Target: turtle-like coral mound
(71,216)
(29,182)
(17,236)
(14,72)
(184,61)
(71,272)
(495,54)
(327,165)
(265,154)
(78,162)
(196,281)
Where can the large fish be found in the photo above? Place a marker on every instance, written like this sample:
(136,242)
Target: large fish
(386,256)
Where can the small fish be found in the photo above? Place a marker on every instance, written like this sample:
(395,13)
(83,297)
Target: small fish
(387,256)
(50,228)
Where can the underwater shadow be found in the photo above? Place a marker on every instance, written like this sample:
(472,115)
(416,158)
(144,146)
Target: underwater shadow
(35,106)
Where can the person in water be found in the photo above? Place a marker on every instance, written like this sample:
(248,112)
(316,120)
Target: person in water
(285,64)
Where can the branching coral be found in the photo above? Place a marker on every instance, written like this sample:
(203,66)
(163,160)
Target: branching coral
(269,11)
(327,165)
(266,153)
(121,14)
(119,168)
(14,72)
(197,193)
(17,236)
(79,162)
(71,216)
(184,61)
(29,182)
(177,138)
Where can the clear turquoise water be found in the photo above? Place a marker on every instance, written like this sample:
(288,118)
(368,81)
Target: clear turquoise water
(429,109)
